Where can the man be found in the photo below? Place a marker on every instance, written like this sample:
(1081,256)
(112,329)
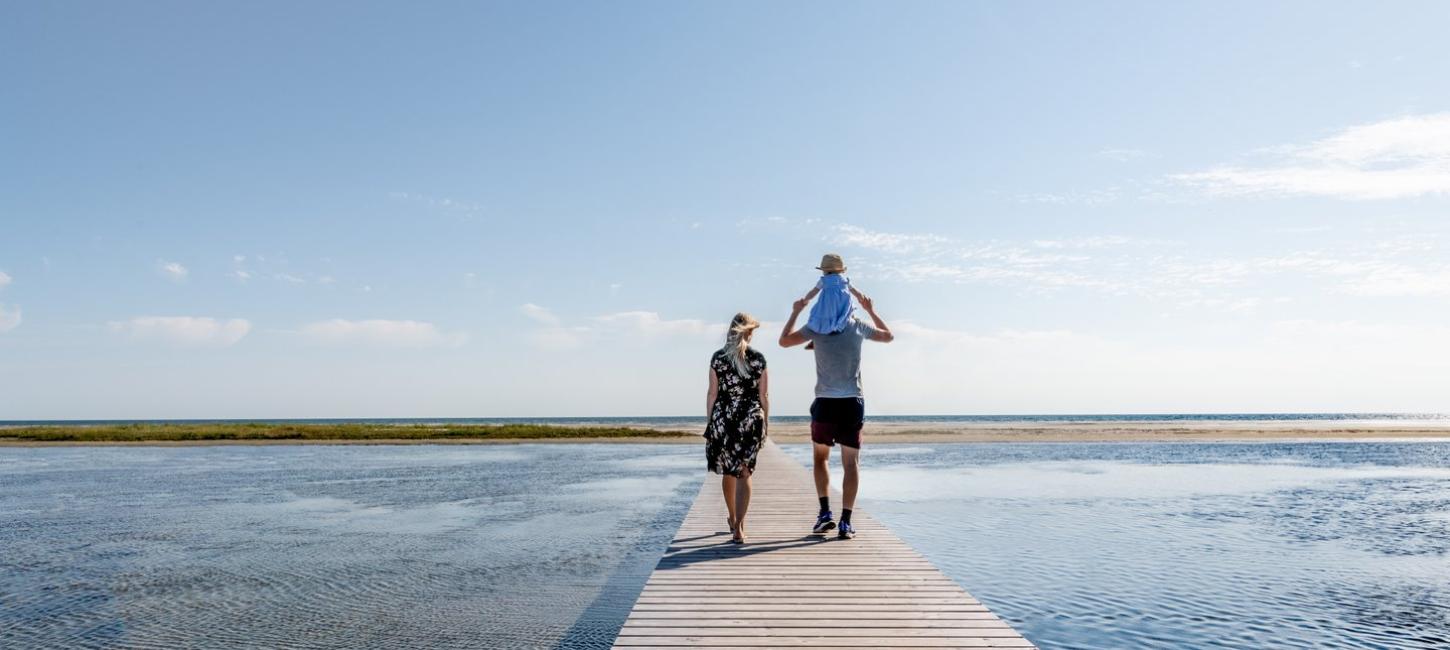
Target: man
(838,412)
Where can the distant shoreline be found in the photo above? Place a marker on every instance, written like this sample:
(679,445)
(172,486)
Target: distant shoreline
(790,432)
(288,433)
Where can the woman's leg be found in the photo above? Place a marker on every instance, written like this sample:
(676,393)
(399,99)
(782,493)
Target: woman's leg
(742,501)
(727,485)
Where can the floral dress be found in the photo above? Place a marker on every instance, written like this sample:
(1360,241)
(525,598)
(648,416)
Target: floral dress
(737,420)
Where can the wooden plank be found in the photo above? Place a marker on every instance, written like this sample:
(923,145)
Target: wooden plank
(787,588)
(807,616)
(834,641)
(818,622)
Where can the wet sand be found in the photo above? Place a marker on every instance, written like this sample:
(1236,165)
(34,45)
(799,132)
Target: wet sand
(1129,432)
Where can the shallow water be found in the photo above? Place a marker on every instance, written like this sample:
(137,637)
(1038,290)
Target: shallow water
(1128,545)
(1119,545)
(333,547)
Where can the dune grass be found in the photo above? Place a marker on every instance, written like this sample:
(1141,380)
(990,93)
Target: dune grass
(263,431)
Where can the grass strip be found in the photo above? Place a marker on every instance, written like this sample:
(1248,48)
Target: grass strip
(150,432)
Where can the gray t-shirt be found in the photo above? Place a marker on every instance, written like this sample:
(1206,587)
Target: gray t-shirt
(838,359)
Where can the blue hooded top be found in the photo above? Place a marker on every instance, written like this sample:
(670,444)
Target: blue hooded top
(833,304)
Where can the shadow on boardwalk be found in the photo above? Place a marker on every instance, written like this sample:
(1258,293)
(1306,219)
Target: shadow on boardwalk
(726,549)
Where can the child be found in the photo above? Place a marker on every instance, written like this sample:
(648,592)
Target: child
(832,311)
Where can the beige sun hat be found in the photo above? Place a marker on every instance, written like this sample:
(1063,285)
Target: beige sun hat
(832,263)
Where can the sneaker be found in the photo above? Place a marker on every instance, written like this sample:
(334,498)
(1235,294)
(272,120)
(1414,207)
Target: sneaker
(823,524)
(846,532)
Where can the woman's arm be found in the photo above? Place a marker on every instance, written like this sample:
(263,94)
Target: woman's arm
(765,396)
(710,394)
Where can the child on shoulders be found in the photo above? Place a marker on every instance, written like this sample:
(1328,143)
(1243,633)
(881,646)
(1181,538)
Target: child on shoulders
(832,311)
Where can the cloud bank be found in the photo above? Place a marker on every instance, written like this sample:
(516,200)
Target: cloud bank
(192,331)
(1401,158)
(382,333)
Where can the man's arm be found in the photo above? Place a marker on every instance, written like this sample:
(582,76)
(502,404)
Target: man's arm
(789,335)
(883,333)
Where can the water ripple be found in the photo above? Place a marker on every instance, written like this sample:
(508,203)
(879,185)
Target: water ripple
(1302,545)
(399,547)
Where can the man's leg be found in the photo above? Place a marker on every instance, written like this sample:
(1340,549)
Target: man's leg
(822,470)
(851,465)
(850,441)
(820,465)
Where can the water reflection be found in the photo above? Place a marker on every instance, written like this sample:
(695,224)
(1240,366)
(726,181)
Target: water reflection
(332,547)
(1300,545)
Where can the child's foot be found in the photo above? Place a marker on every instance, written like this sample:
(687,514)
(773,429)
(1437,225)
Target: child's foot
(810,345)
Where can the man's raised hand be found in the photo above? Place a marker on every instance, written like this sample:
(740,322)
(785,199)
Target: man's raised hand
(866,302)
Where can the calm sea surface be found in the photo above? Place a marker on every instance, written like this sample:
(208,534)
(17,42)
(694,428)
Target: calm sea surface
(531,546)
(1127,545)
(1124,545)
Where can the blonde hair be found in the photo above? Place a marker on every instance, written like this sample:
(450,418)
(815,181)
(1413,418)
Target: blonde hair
(737,341)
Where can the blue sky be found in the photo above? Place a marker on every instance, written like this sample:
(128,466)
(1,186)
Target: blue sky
(468,209)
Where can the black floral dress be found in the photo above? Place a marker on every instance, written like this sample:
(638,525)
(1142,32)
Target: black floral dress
(737,420)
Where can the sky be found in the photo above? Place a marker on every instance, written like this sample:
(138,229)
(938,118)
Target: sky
(437,209)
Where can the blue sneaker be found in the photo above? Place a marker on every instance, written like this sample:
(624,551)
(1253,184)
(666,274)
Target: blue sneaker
(823,524)
(846,532)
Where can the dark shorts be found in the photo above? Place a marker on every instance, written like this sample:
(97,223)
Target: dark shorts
(838,420)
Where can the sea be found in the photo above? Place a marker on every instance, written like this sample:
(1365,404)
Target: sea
(1265,544)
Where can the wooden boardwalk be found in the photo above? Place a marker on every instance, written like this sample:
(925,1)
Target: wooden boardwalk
(786,588)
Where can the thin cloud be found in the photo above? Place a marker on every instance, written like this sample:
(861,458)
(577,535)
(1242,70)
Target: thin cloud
(462,210)
(553,333)
(173,271)
(539,314)
(9,317)
(381,333)
(1096,241)
(1085,197)
(1400,158)
(1008,370)
(191,331)
(1119,265)
(888,242)
(1123,155)
(649,323)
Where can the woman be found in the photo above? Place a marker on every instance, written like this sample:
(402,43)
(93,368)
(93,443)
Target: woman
(737,408)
